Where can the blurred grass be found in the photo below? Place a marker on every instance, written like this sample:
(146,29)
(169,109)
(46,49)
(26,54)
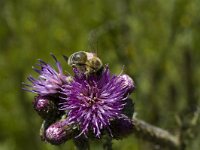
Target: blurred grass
(157,41)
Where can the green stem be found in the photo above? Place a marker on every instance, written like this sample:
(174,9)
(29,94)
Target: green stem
(155,134)
(82,143)
(107,143)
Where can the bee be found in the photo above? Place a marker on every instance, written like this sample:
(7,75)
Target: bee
(86,62)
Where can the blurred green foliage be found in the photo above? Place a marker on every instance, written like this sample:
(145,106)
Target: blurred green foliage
(157,41)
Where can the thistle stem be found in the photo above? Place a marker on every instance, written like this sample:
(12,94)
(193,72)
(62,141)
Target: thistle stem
(107,143)
(155,134)
(82,143)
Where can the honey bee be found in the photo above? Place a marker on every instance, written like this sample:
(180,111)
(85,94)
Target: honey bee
(85,62)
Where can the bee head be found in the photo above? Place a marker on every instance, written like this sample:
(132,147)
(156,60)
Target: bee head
(78,58)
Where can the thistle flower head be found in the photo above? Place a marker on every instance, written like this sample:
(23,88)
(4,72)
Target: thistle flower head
(90,103)
(94,101)
(49,81)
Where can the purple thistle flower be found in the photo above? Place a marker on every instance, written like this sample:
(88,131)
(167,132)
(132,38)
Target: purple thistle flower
(94,101)
(49,81)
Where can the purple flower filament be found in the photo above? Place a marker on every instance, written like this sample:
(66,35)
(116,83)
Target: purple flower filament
(49,81)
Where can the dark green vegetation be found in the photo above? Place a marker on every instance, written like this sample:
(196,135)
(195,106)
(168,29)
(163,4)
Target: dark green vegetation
(157,41)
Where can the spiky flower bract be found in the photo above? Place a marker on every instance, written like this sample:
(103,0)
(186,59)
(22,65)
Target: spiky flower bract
(94,101)
(49,81)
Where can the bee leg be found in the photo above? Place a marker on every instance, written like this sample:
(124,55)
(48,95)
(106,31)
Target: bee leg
(99,72)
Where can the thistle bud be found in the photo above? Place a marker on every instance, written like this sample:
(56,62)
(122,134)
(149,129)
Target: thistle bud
(44,107)
(128,83)
(128,109)
(121,128)
(58,133)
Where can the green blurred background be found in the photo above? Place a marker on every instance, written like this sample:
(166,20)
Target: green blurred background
(157,41)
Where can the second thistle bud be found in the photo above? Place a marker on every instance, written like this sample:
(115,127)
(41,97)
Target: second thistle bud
(128,82)
(58,133)
(121,128)
(44,107)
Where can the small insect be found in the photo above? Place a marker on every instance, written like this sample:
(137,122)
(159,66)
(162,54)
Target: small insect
(85,62)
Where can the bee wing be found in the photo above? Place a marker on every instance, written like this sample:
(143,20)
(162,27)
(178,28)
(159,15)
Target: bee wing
(94,49)
(93,42)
